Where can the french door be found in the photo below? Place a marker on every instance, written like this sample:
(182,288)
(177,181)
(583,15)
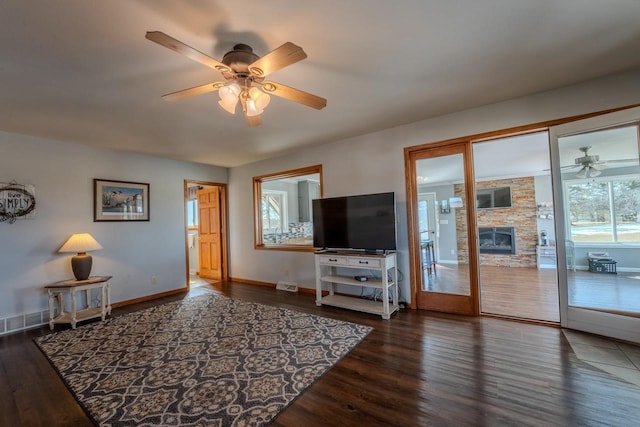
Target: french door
(452,285)
(596,176)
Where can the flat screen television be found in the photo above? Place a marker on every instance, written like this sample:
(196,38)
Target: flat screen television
(363,222)
(498,197)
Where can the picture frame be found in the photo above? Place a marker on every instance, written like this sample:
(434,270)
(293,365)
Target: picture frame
(120,201)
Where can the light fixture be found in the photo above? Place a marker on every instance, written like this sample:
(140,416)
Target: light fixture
(254,101)
(260,98)
(588,172)
(582,173)
(229,96)
(81,243)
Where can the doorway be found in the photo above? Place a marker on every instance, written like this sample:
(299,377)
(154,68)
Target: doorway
(591,230)
(205,232)
(516,233)
(483,206)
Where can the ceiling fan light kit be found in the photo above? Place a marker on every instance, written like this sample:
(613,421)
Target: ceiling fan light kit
(591,165)
(229,97)
(244,72)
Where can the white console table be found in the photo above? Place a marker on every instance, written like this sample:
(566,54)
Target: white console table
(58,290)
(337,268)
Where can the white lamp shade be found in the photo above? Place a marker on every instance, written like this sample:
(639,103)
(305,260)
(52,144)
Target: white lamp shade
(229,104)
(80,243)
(261,99)
(594,172)
(229,92)
(582,173)
(252,109)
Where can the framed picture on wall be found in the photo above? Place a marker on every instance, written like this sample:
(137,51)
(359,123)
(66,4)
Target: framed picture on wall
(120,201)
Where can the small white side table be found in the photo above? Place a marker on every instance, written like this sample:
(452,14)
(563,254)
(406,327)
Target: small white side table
(58,290)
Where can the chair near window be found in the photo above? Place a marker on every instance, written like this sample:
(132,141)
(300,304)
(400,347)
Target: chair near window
(571,255)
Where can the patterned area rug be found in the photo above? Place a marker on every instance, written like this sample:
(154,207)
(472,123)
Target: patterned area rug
(203,361)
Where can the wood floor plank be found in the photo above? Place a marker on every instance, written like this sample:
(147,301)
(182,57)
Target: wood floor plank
(416,369)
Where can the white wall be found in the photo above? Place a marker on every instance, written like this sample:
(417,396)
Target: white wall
(63,177)
(544,194)
(375,163)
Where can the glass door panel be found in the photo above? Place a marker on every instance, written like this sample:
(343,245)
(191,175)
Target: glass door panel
(597,166)
(441,231)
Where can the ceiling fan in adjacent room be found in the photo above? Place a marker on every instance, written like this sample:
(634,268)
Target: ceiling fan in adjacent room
(244,73)
(590,164)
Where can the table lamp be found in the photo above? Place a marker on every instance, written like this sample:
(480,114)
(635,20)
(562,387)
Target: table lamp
(81,243)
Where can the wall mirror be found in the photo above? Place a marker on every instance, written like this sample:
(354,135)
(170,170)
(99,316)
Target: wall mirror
(283,217)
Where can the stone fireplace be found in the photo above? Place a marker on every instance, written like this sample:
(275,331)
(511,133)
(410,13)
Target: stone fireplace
(521,217)
(497,240)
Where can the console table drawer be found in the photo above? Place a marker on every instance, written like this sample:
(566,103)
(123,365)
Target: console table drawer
(334,259)
(365,262)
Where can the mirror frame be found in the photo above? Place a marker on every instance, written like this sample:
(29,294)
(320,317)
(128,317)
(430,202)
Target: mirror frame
(257,206)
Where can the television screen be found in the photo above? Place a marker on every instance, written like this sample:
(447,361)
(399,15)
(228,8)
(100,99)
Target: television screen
(355,222)
(499,197)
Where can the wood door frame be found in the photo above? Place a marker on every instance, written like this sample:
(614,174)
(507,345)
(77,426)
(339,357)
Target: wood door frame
(462,304)
(412,190)
(224,240)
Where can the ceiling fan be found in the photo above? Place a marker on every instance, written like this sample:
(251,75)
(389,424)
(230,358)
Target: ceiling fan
(244,73)
(590,164)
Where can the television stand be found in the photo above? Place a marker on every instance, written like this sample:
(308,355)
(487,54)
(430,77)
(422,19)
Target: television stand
(342,267)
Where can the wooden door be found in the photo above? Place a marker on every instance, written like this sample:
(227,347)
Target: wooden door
(209,234)
(444,169)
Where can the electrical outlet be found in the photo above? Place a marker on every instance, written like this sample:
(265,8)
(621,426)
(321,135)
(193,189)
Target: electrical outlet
(154,279)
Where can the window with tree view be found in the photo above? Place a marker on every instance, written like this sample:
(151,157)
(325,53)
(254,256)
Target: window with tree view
(605,210)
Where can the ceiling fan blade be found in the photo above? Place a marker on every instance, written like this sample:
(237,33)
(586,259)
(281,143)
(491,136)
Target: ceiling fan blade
(295,95)
(177,46)
(277,59)
(621,160)
(187,93)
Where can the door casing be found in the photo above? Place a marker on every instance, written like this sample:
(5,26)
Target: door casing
(223,227)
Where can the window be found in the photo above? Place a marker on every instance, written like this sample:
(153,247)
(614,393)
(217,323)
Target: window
(604,210)
(192,213)
(283,214)
(274,211)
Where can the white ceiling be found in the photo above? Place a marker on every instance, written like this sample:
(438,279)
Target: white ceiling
(82,70)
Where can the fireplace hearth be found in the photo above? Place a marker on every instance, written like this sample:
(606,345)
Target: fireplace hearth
(497,240)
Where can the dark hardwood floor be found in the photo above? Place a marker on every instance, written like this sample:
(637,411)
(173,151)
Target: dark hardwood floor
(417,369)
